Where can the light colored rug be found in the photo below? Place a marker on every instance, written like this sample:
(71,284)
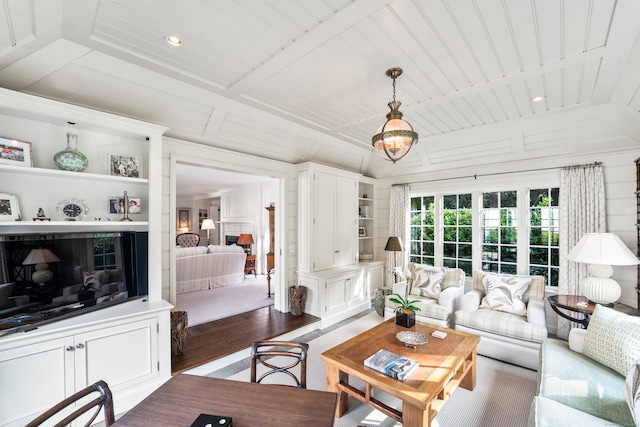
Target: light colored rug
(212,304)
(502,395)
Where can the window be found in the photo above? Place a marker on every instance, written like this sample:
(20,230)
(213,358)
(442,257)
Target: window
(544,231)
(104,251)
(422,240)
(457,231)
(499,232)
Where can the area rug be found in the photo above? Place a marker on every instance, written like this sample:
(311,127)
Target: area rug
(208,305)
(502,395)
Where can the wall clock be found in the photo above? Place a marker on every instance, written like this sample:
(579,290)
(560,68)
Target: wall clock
(72,209)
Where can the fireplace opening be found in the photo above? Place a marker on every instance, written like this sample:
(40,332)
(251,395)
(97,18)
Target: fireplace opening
(231,240)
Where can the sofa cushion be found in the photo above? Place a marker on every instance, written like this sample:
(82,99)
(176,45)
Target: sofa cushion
(613,339)
(224,249)
(536,287)
(580,382)
(428,307)
(501,323)
(546,412)
(504,293)
(632,391)
(427,280)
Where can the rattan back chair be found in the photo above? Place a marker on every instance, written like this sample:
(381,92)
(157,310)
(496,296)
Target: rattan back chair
(104,401)
(280,357)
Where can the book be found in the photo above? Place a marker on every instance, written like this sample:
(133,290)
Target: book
(391,364)
(206,420)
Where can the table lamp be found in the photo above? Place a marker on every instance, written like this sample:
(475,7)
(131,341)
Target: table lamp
(246,240)
(601,251)
(40,258)
(208,225)
(394,245)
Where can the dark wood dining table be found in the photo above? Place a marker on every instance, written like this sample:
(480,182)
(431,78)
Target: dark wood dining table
(179,401)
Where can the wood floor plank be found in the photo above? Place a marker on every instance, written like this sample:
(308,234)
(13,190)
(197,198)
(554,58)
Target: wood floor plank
(213,340)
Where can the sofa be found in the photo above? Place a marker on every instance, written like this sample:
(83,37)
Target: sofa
(507,311)
(208,267)
(437,290)
(591,380)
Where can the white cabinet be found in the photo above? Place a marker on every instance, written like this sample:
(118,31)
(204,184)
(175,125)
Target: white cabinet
(374,276)
(336,294)
(122,345)
(327,218)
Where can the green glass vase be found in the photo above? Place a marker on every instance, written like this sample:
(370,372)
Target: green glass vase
(70,159)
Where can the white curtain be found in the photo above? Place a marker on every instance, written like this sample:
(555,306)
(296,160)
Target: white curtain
(398,224)
(582,210)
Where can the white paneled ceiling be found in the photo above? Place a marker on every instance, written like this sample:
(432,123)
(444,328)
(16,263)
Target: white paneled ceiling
(304,80)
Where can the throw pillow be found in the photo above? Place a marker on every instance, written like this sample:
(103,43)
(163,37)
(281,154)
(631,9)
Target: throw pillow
(632,389)
(427,281)
(95,279)
(613,339)
(504,293)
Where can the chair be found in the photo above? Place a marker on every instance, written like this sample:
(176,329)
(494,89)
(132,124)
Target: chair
(263,351)
(188,239)
(103,401)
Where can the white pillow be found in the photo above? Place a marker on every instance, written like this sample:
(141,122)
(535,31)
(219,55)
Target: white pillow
(632,390)
(504,293)
(427,281)
(613,339)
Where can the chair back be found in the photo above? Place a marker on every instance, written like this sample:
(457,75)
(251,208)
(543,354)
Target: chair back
(280,357)
(103,401)
(188,239)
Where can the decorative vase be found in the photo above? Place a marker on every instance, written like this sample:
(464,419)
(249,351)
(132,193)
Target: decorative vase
(70,159)
(406,320)
(379,300)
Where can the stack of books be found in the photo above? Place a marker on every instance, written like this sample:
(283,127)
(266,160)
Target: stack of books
(391,364)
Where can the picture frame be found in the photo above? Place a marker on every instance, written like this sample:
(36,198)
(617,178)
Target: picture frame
(116,205)
(183,220)
(124,165)
(9,207)
(362,232)
(15,152)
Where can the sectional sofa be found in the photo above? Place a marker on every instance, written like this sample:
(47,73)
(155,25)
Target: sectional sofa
(208,267)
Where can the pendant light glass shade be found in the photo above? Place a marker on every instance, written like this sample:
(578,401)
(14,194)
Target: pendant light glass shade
(395,137)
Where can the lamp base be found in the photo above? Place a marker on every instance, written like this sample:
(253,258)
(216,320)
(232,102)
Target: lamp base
(599,287)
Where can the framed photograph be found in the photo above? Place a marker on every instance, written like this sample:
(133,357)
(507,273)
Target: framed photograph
(9,208)
(183,220)
(14,152)
(362,232)
(116,205)
(129,166)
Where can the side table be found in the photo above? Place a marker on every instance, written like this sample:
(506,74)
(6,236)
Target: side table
(379,299)
(250,265)
(580,304)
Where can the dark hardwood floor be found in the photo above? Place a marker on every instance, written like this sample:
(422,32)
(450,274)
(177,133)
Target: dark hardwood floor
(213,340)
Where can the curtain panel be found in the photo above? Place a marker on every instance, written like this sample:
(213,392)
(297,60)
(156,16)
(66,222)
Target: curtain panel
(398,226)
(582,210)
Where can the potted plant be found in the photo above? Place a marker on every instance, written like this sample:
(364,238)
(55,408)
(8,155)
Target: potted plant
(405,309)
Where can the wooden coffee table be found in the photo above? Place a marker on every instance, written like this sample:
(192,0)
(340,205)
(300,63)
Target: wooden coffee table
(444,365)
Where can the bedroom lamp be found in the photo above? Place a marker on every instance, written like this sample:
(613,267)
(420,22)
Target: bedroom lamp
(40,258)
(208,225)
(601,251)
(246,240)
(395,137)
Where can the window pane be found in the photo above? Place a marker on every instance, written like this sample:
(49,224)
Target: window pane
(464,251)
(508,199)
(465,217)
(509,268)
(428,233)
(450,250)
(450,202)
(539,256)
(537,237)
(489,200)
(491,235)
(489,253)
(465,234)
(508,254)
(416,218)
(544,233)
(464,201)
(508,217)
(509,236)
(449,218)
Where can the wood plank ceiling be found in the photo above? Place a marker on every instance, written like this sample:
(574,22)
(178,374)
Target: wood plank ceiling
(301,80)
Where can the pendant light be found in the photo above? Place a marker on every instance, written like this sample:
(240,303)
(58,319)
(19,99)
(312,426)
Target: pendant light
(395,138)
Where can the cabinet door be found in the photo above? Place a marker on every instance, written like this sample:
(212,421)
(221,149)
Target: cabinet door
(357,288)
(121,355)
(33,378)
(324,221)
(335,295)
(346,231)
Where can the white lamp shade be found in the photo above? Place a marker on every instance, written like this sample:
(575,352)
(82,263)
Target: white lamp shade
(39,256)
(602,248)
(208,224)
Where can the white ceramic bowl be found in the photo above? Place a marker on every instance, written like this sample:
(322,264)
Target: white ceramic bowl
(411,339)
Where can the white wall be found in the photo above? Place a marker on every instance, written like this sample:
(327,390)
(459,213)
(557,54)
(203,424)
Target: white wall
(620,187)
(174,151)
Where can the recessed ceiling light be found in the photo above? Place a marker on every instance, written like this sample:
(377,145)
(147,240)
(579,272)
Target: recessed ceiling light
(537,98)
(173,40)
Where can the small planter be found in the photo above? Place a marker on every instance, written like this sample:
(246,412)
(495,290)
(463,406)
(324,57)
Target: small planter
(405,319)
(297,299)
